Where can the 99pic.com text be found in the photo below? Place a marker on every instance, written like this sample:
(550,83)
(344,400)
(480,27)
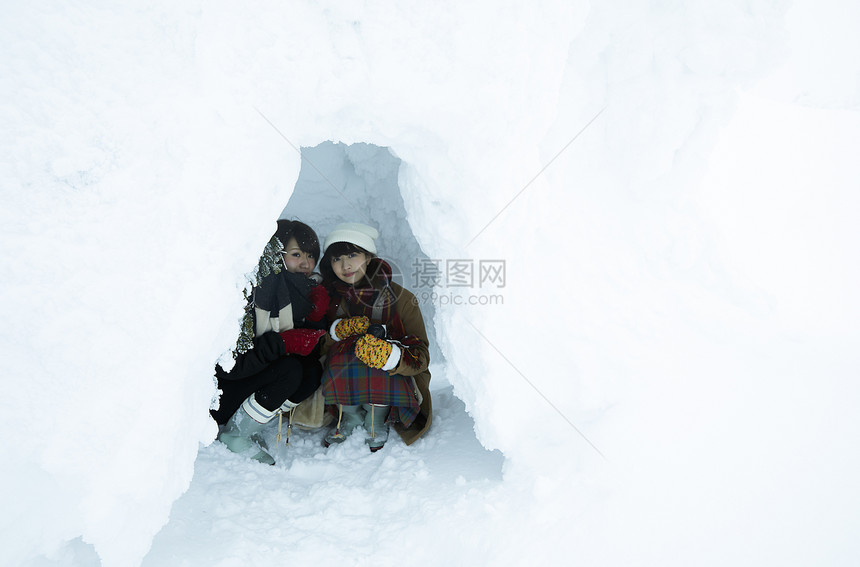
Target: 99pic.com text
(451,298)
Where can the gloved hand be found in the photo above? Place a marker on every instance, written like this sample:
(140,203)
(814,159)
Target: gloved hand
(377,353)
(319,298)
(301,341)
(343,328)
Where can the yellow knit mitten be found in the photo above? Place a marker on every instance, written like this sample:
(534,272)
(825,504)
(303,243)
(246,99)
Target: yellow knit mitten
(351,326)
(372,351)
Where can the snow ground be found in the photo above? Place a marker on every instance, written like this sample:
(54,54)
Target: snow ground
(337,504)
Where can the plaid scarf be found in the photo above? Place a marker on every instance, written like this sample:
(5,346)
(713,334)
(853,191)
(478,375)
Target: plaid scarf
(351,301)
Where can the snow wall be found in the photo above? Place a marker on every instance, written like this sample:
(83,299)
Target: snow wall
(675,342)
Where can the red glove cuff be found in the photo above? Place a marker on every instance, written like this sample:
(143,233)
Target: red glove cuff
(301,341)
(319,298)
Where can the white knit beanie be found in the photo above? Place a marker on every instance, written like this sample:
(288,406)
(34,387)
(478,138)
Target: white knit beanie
(354,233)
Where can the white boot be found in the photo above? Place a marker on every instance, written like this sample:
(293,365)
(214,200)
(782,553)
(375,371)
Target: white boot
(349,419)
(241,433)
(376,426)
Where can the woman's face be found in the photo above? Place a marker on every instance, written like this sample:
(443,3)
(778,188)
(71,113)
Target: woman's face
(350,267)
(297,260)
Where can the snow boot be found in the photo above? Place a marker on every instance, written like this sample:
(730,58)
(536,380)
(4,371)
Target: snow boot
(349,418)
(376,426)
(286,407)
(241,434)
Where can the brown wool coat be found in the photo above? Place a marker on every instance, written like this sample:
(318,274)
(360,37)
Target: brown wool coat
(406,306)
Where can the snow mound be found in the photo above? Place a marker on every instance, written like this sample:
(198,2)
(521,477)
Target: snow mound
(667,365)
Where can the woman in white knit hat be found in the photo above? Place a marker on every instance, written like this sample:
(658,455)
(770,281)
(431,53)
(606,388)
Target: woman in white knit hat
(378,353)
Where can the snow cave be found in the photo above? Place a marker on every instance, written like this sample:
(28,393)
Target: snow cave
(666,374)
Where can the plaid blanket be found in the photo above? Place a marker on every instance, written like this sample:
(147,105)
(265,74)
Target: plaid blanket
(349,381)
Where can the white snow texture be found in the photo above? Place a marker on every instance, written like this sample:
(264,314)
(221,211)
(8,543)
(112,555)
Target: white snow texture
(668,376)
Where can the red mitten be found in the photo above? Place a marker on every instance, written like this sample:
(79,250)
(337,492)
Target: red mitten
(301,341)
(319,298)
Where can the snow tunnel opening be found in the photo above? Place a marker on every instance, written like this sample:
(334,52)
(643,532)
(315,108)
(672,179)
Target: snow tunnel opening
(359,183)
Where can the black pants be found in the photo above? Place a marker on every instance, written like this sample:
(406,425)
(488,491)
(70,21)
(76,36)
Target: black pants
(290,377)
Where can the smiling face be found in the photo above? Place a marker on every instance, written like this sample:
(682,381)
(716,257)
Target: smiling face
(350,267)
(297,260)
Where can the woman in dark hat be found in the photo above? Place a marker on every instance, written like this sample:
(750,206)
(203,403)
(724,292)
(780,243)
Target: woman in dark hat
(277,354)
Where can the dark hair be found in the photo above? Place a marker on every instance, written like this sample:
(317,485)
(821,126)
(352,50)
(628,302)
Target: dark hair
(304,235)
(340,249)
